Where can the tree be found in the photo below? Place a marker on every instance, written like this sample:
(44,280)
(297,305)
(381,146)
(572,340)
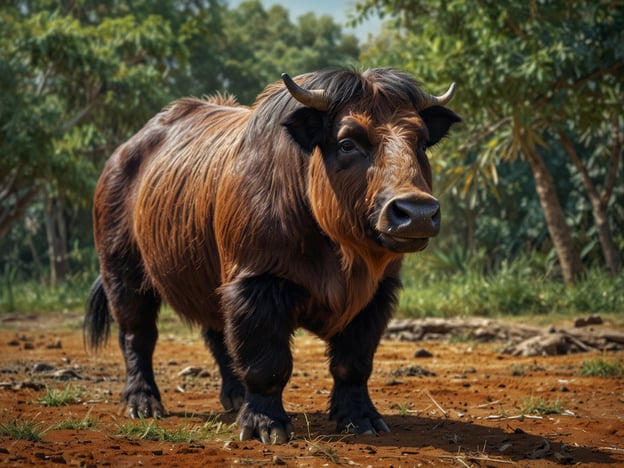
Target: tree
(79,80)
(531,75)
(261,44)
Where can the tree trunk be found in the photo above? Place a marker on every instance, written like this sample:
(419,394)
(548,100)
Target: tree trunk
(610,251)
(569,259)
(600,201)
(56,233)
(13,201)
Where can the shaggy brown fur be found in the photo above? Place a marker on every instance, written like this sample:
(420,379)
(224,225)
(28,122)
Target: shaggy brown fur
(212,200)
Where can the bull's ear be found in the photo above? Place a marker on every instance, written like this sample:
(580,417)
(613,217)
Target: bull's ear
(438,120)
(305,126)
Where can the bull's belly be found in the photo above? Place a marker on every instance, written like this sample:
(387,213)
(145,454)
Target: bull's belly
(193,297)
(185,274)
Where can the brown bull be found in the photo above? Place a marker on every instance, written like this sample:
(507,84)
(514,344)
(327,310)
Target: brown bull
(254,221)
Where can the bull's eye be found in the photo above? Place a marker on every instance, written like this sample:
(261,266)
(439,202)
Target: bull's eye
(347,146)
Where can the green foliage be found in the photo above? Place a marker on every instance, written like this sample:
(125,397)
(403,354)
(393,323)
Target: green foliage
(35,296)
(601,367)
(151,430)
(71,423)
(461,285)
(261,44)
(541,406)
(22,430)
(75,81)
(67,396)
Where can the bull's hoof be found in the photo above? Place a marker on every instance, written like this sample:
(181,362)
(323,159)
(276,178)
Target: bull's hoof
(264,417)
(363,426)
(353,410)
(143,405)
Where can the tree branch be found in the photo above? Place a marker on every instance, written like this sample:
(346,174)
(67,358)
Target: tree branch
(614,160)
(12,214)
(78,117)
(540,102)
(7,185)
(587,182)
(602,71)
(485,133)
(82,112)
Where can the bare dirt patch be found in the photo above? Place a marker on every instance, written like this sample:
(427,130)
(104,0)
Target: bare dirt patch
(460,406)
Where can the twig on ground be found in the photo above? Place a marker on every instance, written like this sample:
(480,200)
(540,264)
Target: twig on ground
(442,410)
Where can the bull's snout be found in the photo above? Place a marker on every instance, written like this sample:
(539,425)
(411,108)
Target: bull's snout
(411,217)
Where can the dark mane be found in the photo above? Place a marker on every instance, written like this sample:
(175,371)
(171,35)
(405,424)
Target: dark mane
(376,89)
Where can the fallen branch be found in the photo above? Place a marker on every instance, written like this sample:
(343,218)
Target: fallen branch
(520,340)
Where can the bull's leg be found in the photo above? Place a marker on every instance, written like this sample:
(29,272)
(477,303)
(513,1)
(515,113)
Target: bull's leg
(351,361)
(259,322)
(135,311)
(232,390)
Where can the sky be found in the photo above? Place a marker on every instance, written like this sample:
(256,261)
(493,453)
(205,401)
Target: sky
(338,9)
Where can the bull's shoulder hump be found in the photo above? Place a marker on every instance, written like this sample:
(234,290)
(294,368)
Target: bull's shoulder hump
(190,107)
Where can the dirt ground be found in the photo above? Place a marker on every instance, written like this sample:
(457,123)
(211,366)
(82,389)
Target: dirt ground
(461,406)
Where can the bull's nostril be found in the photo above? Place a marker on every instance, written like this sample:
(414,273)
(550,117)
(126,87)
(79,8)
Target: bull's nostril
(413,217)
(399,214)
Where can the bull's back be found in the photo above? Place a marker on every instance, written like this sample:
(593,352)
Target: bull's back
(171,171)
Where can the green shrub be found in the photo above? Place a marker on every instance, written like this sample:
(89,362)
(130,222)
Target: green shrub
(522,287)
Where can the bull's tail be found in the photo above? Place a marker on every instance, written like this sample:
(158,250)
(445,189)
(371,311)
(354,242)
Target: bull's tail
(97,321)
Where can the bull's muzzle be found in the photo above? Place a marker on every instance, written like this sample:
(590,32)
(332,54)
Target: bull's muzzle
(410,217)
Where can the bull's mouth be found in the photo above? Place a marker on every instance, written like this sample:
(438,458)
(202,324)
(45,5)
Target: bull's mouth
(402,244)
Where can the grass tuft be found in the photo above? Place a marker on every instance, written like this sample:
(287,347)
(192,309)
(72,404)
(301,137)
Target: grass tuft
(601,367)
(142,429)
(67,396)
(72,423)
(22,430)
(540,406)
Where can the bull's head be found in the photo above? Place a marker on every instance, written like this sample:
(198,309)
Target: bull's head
(369,176)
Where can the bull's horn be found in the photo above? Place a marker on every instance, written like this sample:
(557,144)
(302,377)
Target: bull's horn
(315,98)
(429,100)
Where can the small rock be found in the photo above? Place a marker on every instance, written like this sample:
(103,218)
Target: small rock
(66,374)
(423,353)
(413,371)
(56,345)
(278,461)
(42,367)
(594,320)
(190,371)
(591,320)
